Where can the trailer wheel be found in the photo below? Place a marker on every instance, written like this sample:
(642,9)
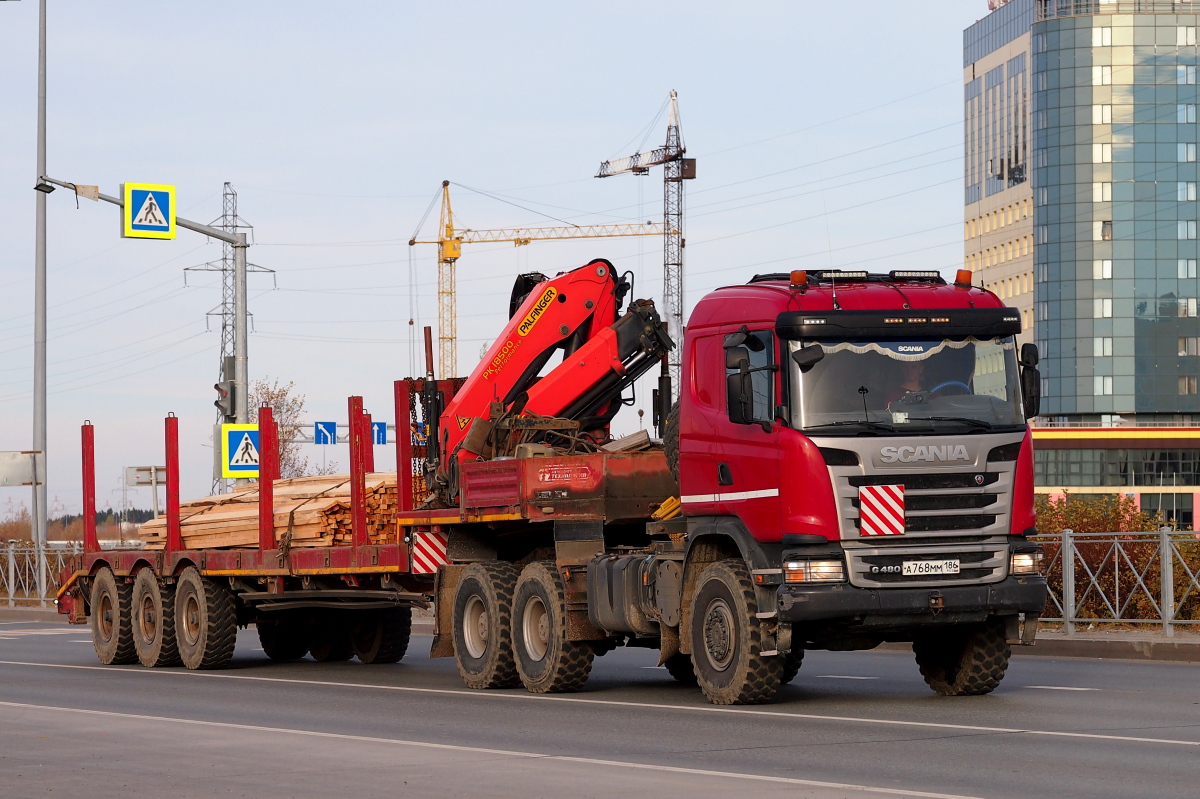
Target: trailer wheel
(671,440)
(205,621)
(482,624)
(382,636)
(791,666)
(726,638)
(967,662)
(680,667)
(547,662)
(154,621)
(112,620)
(329,640)
(282,636)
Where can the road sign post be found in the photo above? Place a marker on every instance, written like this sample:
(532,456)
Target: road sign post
(138,476)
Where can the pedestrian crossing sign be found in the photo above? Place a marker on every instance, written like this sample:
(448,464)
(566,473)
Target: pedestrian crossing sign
(239,450)
(148,212)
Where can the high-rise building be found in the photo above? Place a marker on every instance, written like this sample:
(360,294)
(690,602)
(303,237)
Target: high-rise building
(1086,111)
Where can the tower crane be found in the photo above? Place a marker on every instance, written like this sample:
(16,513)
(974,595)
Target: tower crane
(676,169)
(450,240)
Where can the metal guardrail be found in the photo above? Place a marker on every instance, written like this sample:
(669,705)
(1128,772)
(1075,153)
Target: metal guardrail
(1053,9)
(19,572)
(1122,578)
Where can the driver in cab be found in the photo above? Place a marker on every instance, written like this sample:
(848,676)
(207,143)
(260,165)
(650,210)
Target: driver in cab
(918,380)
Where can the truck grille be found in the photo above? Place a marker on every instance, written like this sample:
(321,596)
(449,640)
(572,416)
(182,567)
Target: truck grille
(980,563)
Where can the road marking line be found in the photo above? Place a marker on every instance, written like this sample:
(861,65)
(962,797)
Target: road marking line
(1060,688)
(484,751)
(843,677)
(525,696)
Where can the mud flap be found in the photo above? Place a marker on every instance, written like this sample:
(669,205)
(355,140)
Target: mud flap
(445,586)
(669,643)
(1020,629)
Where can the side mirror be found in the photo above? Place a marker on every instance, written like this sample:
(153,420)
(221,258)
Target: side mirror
(737,358)
(737,339)
(738,398)
(1029,354)
(1031,387)
(808,357)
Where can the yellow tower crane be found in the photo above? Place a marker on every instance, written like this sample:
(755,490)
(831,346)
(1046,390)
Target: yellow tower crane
(451,239)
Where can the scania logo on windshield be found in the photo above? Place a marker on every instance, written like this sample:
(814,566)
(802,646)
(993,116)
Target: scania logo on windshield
(910,348)
(906,454)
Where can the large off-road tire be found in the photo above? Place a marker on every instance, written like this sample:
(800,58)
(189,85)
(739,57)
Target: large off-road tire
(967,661)
(112,619)
(382,636)
(671,441)
(205,621)
(547,662)
(329,637)
(283,636)
(726,638)
(482,623)
(680,667)
(791,666)
(154,621)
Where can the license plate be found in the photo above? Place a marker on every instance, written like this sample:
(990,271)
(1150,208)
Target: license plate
(915,568)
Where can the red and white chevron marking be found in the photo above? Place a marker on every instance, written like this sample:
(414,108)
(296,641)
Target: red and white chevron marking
(881,510)
(428,552)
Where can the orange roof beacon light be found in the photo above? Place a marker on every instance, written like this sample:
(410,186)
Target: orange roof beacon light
(963,278)
(799,279)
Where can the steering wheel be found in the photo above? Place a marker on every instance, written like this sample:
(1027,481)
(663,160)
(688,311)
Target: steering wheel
(949,384)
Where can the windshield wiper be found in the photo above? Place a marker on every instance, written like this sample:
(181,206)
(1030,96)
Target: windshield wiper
(862,422)
(981,424)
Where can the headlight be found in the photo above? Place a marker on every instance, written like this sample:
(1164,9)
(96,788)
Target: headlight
(814,571)
(1025,563)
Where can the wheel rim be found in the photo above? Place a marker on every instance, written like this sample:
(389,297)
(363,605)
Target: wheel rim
(148,620)
(475,626)
(104,618)
(535,628)
(718,634)
(191,618)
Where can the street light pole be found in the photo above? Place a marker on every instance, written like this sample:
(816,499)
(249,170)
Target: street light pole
(39,312)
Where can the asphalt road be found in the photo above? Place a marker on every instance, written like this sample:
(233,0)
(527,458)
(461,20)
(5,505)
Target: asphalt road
(858,724)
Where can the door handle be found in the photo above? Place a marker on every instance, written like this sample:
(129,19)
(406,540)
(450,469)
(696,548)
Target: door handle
(724,475)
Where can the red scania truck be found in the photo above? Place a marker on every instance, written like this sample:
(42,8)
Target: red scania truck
(848,463)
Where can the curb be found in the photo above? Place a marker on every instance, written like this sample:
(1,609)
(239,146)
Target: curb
(1165,650)
(31,614)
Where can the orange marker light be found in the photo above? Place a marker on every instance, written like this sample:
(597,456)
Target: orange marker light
(799,278)
(963,278)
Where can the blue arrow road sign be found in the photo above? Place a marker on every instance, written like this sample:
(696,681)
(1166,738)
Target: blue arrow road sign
(325,433)
(379,432)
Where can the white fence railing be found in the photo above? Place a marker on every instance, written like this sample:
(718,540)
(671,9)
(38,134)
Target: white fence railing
(30,574)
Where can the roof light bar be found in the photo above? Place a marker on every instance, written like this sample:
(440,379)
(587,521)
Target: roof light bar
(915,273)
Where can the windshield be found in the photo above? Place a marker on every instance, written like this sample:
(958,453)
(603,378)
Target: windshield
(921,385)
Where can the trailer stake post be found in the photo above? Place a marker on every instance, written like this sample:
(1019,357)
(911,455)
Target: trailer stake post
(358,477)
(368,450)
(404,477)
(268,473)
(174,541)
(90,542)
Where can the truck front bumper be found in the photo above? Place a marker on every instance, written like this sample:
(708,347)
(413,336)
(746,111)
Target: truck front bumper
(904,606)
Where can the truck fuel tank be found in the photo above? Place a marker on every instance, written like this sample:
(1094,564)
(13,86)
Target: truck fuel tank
(634,593)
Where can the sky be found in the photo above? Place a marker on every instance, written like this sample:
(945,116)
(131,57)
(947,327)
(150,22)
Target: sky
(826,135)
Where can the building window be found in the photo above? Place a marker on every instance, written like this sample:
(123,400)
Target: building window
(1102,385)
(1043,234)
(1040,158)
(1183,74)
(1187,152)
(1184,35)
(1043,273)
(1042,196)
(1188,345)
(1187,230)
(1102,270)
(1187,267)
(1102,308)
(1187,384)
(1102,37)
(1185,113)
(1102,115)
(1185,192)
(1043,311)
(1102,76)
(1102,346)
(1187,307)
(1102,230)
(1102,153)
(1101,192)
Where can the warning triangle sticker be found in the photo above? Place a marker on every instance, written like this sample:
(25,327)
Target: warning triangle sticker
(463,421)
(150,213)
(246,454)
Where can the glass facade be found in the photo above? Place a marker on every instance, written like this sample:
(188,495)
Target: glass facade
(997,29)
(1114,171)
(1164,468)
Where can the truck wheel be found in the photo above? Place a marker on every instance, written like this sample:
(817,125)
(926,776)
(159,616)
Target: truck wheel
(154,621)
(671,440)
(329,638)
(382,637)
(205,621)
(680,667)
(727,638)
(111,619)
(482,623)
(968,662)
(282,637)
(791,666)
(547,662)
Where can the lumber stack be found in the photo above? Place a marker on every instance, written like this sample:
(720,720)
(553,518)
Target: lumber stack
(309,511)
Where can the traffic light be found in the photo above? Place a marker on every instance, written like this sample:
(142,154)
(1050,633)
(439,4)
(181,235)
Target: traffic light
(225,398)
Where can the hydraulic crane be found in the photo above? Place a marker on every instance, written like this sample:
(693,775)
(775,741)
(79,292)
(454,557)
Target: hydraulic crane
(676,169)
(450,240)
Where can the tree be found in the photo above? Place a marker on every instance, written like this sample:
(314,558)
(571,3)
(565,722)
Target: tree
(1093,513)
(287,407)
